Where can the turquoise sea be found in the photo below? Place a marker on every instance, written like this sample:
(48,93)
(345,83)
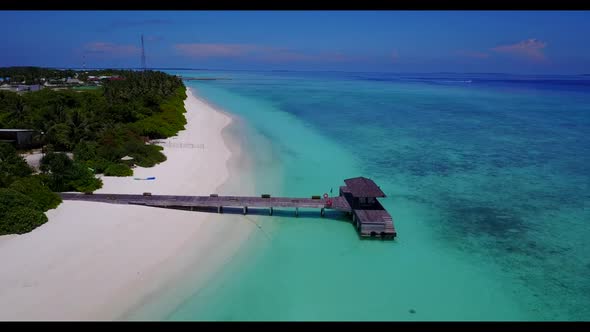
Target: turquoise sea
(487,181)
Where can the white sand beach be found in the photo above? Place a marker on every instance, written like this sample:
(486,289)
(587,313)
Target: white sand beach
(95,261)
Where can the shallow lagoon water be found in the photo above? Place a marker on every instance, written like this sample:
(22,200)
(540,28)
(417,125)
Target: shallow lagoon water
(486,181)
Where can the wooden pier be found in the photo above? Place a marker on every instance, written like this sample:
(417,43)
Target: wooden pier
(356,199)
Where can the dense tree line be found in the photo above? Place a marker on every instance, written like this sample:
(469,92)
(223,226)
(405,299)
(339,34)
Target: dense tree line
(83,75)
(99,127)
(32,75)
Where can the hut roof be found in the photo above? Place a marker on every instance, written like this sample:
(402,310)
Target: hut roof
(363,187)
(16,130)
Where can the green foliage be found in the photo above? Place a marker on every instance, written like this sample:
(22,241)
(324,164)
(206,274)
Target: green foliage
(151,156)
(137,86)
(100,126)
(34,187)
(10,199)
(168,122)
(85,151)
(59,136)
(19,213)
(118,170)
(83,180)
(118,141)
(122,141)
(64,174)
(32,75)
(97,166)
(57,166)
(20,220)
(12,109)
(12,166)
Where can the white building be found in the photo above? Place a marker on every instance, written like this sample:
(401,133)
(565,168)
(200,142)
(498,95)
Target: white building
(73,81)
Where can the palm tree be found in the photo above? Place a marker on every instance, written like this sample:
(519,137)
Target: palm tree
(20,111)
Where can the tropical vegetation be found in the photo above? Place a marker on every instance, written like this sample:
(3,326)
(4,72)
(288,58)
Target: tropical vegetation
(96,127)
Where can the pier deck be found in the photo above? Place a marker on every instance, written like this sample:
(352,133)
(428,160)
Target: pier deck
(338,203)
(358,199)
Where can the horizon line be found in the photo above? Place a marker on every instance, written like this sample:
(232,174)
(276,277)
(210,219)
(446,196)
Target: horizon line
(292,70)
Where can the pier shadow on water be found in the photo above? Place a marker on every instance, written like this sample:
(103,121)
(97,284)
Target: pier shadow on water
(284,212)
(331,215)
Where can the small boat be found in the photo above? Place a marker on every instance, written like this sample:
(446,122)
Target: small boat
(148,178)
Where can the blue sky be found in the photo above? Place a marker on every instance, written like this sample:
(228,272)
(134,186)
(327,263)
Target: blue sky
(530,42)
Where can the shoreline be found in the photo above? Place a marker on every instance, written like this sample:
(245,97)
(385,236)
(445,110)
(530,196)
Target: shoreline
(119,258)
(192,279)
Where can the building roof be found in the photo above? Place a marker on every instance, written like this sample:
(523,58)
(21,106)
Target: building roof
(15,130)
(363,187)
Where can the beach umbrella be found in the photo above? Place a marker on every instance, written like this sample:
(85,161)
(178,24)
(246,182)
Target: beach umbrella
(127,158)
